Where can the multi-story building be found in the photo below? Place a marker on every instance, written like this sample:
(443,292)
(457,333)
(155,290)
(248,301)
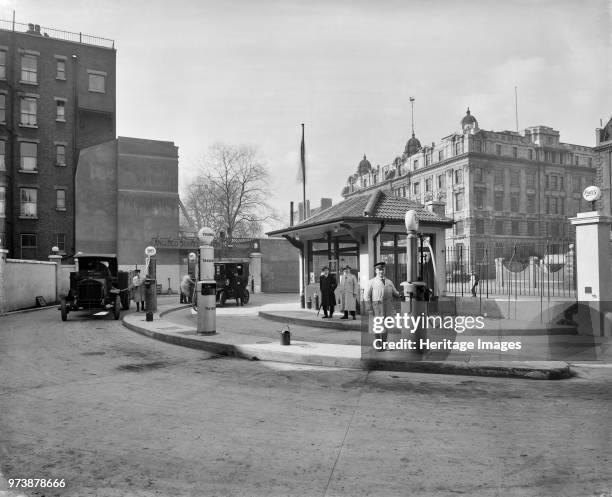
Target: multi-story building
(498,186)
(603,149)
(57,96)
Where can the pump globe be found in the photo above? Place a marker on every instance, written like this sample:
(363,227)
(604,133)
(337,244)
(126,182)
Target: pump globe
(206,235)
(411,220)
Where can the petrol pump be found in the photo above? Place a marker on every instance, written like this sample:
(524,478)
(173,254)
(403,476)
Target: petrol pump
(207,287)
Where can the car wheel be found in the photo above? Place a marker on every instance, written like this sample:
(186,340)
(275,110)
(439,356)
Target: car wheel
(245,296)
(64,310)
(117,308)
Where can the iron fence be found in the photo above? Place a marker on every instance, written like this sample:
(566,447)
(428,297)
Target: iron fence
(56,34)
(515,269)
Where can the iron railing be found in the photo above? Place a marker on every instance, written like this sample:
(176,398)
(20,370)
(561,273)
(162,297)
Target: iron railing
(516,269)
(56,34)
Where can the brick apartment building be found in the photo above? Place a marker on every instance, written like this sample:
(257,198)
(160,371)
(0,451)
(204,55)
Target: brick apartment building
(499,187)
(57,96)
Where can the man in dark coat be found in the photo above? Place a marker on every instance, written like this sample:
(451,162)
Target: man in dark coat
(327,284)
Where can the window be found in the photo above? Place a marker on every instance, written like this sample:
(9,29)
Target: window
(97,82)
(477,146)
(480,198)
(514,202)
(458,176)
(480,226)
(60,200)
(499,227)
(60,110)
(590,161)
(478,175)
(531,203)
(28,202)
(531,228)
(459,147)
(459,201)
(561,183)
(514,226)
(440,155)
(515,152)
(2,64)
(2,201)
(29,68)
(515,178)
(60,155)
(60,241)
(530,179)
(28,111)
(403,191)
(60,69)
(530,154)
(576,160)
(576,184)
(553,182)
(499,201)
(29,156)
(498,149)
(2,155)
(415,164)
(416,188)
(427,159)
(459,228)
(28,246)
(561,205)
(428,185)
(499,178)
(441,181)
(2,108)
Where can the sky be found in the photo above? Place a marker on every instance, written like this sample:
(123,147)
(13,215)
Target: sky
(249,72)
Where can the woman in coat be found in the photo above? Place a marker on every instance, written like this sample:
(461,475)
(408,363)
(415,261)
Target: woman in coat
(348,293)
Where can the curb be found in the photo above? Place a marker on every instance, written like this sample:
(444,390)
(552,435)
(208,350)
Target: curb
(314,354)
(336,324)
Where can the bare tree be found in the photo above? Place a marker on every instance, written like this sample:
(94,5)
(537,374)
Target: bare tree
(231,191)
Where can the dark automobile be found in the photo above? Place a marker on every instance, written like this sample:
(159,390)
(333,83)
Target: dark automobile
(97,285)
(231,279)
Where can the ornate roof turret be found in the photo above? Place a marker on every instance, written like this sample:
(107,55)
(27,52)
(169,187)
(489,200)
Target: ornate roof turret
(469,122)
(412,146)
(364,166)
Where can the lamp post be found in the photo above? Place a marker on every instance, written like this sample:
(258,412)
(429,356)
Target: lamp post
(207,286)
(150,283)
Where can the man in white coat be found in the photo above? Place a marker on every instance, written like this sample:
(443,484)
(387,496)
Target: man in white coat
(379,295)
(347,290)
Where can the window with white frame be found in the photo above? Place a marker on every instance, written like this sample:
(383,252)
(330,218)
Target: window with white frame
(2,64)
(60,110)
(60,155)
(29,68)
(29,106)
(28,245)
(60,69)
(97,82)
(60,241)
(28,156)
(2,201)
(60,199)
(28,202)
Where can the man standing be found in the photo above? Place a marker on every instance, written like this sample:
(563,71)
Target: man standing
(327,285)
(379,295)
(348,292)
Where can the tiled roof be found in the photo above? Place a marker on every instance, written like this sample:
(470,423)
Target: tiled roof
(386,207)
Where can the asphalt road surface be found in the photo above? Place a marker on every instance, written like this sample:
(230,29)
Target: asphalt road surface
(114,413)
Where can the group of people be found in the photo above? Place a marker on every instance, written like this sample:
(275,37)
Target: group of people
(378,296)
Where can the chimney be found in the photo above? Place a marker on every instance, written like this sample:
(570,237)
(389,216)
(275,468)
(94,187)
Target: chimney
(436,207)
(30,28)
(37,28)
(326,203)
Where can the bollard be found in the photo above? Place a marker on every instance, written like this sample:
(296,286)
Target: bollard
(285,337)
(316,296)
(309,303)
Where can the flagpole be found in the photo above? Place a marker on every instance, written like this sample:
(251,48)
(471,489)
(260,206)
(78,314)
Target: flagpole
(304,255)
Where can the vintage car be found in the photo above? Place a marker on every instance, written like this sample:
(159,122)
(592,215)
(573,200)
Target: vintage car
(231,279)
(97,285)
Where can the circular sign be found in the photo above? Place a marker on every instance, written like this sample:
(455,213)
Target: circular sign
(206,235)
(192,256)
(591,193)
(150,251)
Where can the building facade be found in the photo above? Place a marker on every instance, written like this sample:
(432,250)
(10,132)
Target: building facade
(603,149)
(499,187)
(57,96)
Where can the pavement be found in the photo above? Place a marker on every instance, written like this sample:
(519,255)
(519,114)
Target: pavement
(253,332)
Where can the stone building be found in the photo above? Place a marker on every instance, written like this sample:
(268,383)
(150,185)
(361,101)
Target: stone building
(57,96)
(499,187)
(603,149)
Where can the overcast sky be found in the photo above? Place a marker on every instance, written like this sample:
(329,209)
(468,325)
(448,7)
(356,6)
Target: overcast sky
(249,72)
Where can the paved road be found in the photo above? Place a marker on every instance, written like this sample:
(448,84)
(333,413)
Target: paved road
(117,414)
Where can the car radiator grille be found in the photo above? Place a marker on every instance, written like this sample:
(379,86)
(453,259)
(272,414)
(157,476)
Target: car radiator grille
(91,291)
